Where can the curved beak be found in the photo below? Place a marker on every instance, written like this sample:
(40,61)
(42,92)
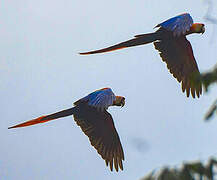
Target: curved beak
(203,30)
(123,102)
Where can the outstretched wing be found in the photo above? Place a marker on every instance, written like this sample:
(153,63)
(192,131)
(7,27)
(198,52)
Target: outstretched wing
(100,99)
(178,54)
(179,25)
(99,127)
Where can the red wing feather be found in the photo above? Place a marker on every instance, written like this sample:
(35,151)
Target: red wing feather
(99,127)
(177,53)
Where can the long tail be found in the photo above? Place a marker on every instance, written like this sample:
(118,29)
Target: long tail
(46,118)
(138,40)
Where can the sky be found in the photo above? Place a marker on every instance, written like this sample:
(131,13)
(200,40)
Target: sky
(41,73)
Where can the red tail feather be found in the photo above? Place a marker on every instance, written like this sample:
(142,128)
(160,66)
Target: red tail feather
(44,119)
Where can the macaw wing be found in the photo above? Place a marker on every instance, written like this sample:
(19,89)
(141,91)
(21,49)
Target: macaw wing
(179,25)
(178,55)
(101,99)
(99,127)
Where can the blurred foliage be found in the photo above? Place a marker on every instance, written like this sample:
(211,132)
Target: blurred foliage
(207,80)
(188,171)
(211,111)
(210,77)
(193,170)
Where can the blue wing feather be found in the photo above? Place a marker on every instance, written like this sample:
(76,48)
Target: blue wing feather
(101,99)
(179,25)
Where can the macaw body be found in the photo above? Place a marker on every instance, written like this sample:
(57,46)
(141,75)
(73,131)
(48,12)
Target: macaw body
(175,50)
(96,122)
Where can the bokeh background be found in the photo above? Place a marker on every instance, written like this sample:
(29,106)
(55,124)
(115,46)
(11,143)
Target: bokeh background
(41,73)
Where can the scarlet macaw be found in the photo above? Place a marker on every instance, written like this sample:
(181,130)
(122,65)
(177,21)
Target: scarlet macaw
(90,113)
(175,50)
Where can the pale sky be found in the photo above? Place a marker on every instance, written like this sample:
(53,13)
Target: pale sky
(41,73)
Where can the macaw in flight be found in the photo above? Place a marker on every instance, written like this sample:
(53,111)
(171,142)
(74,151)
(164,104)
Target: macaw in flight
(175,50)
(90,113)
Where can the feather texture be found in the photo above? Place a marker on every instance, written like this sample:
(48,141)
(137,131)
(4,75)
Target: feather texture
(99,127)
(179,25)
(100,99)
(177,53)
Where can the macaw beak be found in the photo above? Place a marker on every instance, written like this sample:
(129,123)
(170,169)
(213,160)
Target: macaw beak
(120,101)
(123,102)
(203,30)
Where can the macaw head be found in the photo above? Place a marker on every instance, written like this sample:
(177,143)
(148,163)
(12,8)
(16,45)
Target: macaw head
(119,101)
(198,28)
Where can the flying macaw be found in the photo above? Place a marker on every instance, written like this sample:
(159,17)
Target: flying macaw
(175,50)
(90,113)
